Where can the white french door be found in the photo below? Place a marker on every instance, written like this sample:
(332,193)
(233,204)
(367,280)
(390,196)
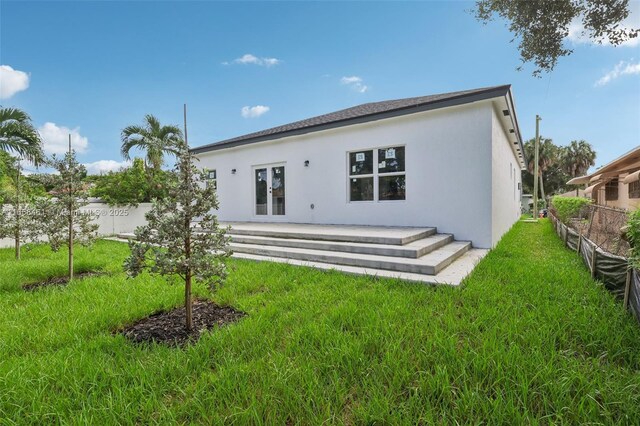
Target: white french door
(269,190)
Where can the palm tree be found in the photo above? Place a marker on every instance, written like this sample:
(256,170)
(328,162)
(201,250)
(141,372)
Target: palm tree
(547,156)
(18,135)
(578,157)
(152,137)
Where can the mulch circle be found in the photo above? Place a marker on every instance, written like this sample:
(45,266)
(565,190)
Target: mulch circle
(58,281)
(169,327)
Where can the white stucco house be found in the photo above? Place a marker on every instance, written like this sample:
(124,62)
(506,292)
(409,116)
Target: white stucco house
(451,161)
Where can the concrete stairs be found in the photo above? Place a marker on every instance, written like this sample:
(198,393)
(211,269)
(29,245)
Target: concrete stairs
(412,253)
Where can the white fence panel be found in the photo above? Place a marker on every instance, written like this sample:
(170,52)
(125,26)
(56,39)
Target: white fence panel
(110,220)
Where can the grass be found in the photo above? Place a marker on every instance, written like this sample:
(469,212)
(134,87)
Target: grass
(529,338)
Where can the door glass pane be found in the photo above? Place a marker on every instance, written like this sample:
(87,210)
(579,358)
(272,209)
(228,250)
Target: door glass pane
(277,190)
(391,188)
(361,189)
(261,191)
(360,163)
(391,159)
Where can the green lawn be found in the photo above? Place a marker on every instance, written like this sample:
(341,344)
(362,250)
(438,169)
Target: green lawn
(529,338)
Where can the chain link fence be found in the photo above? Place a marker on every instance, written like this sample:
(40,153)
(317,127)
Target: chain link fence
(613,270)
(603,226)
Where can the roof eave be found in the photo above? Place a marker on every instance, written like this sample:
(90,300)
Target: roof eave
(456,101)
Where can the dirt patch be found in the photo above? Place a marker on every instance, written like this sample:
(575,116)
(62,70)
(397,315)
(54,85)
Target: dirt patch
(58,281)
(169,327)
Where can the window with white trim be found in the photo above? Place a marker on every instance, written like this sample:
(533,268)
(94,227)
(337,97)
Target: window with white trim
(377,174)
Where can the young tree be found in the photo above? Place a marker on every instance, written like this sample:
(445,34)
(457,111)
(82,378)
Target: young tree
(543,25)
(14,210)
(172,244)
(60,220)
(16,196)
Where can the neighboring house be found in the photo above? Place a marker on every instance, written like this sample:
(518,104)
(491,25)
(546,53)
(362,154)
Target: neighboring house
(526,203)
(451,161)
(616,184)
(574,193)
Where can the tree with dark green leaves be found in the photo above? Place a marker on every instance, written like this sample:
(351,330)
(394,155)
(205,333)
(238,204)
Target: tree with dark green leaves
(173,243)
(153,138)
(60,219)
(548,159)
(18,135)
(542,26)
(557,164)
(132,185)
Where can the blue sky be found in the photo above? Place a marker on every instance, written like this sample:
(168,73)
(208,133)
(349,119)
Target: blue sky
(96,67)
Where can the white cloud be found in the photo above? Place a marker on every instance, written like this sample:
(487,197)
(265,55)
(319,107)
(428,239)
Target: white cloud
(56,139)
(355,83)
(254,111)
(105,166)
(621,68)
(12,81)
(578,36)
(248,58)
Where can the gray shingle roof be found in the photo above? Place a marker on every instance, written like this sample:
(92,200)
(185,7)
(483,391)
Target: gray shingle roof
(360,114)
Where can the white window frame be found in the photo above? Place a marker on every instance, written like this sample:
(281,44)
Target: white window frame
(375,175)
(214,180)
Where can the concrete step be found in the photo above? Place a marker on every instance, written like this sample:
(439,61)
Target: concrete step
(429,264)
(342,233)
(413,249)
(452,275)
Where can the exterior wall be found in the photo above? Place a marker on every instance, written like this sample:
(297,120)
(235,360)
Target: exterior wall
(448,173)
(623,201)
(506,178)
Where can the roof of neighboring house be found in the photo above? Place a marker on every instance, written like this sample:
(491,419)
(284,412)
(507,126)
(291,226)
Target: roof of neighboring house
(367,112)
(626,163)
(572,193)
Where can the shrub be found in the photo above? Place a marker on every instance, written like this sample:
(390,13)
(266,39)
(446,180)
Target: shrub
(633,235)
(569,207)
(133,185)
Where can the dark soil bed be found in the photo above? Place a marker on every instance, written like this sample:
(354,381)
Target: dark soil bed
(58,281)
(169,327)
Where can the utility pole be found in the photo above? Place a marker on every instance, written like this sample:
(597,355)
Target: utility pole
(535,168)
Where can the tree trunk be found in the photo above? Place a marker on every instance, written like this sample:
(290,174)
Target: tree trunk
(70,246)
(17,214)
(544,199)
(70,213)
(17,242)
(17,232)
(188,305)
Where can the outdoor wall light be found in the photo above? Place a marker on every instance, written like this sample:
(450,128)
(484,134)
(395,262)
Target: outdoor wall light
(233,171)
(306,163)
